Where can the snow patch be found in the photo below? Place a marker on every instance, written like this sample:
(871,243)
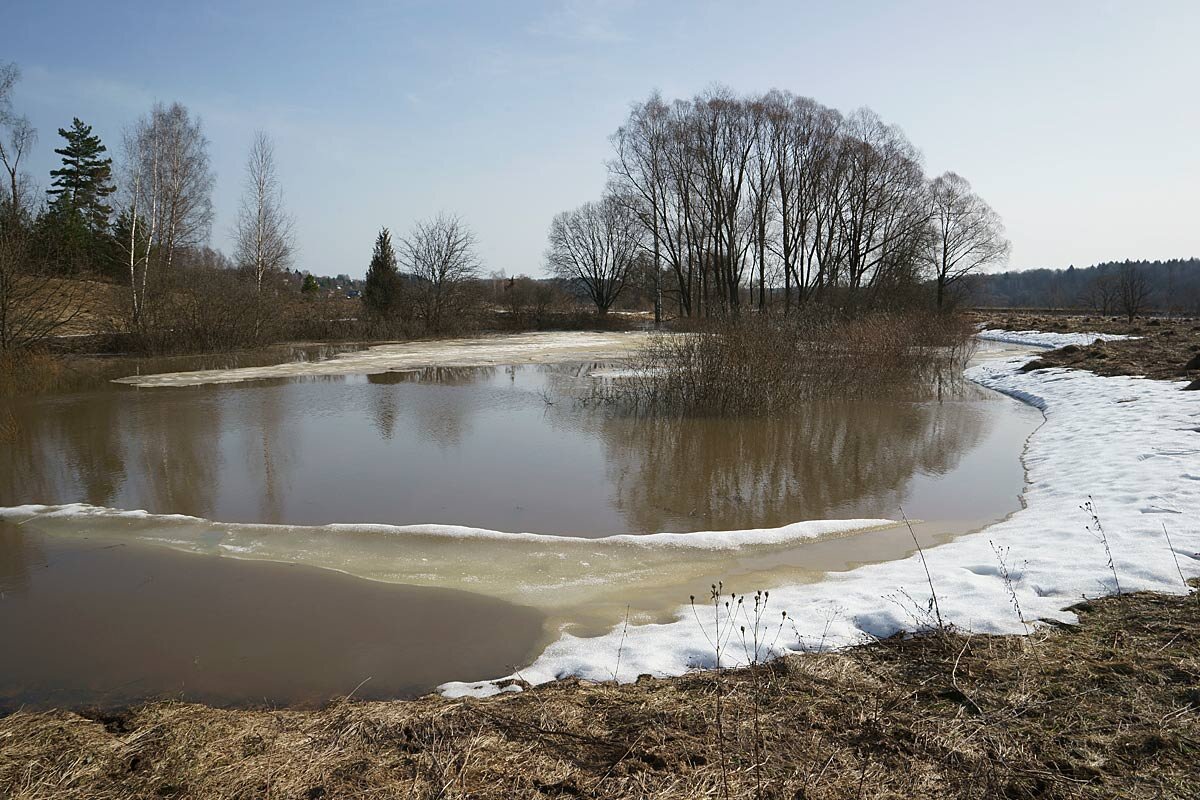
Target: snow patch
(1051,341)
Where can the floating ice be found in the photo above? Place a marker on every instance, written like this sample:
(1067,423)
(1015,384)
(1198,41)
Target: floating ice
(523,348)
(546,571)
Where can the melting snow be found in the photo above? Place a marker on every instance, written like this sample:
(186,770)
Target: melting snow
(1048,340)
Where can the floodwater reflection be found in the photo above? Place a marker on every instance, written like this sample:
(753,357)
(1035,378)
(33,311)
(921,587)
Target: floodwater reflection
(507,449)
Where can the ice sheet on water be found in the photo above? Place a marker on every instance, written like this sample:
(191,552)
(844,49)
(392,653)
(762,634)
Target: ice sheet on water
(545,571)
(523,348)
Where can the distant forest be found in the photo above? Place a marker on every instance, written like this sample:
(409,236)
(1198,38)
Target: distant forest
(1172,286)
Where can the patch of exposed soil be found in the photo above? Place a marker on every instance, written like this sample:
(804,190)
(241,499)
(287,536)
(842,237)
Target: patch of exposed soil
(1105,709)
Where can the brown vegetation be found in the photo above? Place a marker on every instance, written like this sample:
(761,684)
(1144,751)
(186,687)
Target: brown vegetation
(1104,709)
(761,365)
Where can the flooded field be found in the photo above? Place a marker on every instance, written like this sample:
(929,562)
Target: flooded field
(261,467)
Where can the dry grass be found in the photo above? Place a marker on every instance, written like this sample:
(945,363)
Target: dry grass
(1105,709)
(26,371)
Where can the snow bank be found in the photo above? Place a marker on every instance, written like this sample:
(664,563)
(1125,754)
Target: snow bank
(1048,340)
(1132,444)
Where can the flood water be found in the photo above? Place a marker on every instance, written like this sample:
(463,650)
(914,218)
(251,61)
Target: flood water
(105,609)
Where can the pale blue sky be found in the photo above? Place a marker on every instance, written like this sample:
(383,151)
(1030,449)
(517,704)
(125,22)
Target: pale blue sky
(1078,121)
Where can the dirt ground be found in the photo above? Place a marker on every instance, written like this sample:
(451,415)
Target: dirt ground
(1107,708)
(1166,349)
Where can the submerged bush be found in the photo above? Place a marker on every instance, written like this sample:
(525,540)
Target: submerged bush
(761,365)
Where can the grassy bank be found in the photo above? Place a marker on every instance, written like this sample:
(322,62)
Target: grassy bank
(1104,709)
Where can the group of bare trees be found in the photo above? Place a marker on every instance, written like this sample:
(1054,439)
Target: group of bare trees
(786,198)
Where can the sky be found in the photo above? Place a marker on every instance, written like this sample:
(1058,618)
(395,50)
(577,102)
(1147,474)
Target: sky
(1079,122)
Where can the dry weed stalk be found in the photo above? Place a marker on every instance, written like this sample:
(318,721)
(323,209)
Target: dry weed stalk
(1097,530)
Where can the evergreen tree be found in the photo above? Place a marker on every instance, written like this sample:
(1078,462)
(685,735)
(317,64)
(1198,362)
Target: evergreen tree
(74,228)
(310,285)
(80,187)
(382,287)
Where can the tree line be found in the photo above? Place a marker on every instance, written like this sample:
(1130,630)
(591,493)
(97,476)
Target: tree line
(144,221)
(143,217)
(771,199)
(1126,288)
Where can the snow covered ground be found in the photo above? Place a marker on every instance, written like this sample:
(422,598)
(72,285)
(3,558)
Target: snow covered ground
(1049,340)
(1132,445)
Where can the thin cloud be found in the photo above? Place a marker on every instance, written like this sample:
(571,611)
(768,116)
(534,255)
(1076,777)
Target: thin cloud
(591,21)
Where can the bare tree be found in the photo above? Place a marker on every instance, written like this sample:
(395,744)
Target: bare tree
(884,212)
(1103,294)
(966,233)
(264,231)
(441,255)
(595,246)
(1133,291)
(18,139)
(641,175)
(167,197)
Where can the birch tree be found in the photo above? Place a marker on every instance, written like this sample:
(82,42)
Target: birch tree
(166,198)
(17,138)
(264,232)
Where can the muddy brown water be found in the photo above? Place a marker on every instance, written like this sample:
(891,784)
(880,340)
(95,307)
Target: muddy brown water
(98,622)
(91,613)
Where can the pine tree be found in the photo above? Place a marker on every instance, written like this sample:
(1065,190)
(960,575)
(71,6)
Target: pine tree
(85,180)
(382,287)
